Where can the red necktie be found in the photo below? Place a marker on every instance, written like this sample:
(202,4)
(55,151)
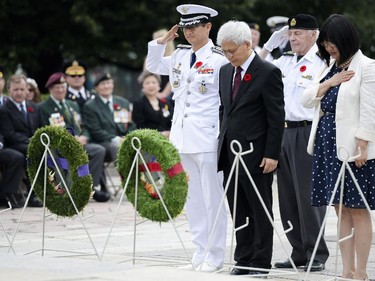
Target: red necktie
(237,81)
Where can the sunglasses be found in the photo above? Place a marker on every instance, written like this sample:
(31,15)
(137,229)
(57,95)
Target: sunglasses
(75,76)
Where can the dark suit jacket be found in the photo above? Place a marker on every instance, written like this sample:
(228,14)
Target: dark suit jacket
(145,116)
(16,130)
(100,120)
(256,115)
(49,107)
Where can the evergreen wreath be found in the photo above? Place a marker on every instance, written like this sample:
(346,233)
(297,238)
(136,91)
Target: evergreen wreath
(174,187)
(74,161)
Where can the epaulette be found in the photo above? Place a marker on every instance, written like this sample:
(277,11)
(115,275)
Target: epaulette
(183,46)
(217,50)
(288,53)
(319,55)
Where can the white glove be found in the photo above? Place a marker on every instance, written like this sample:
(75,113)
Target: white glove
(277,39)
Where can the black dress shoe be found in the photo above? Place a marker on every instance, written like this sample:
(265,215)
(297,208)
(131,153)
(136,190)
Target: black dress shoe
(239,271)
(101,196)
(316,266)
(255,273)
(34,202)
(288,264)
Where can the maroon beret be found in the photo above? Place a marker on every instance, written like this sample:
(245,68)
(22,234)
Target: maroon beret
(56,78)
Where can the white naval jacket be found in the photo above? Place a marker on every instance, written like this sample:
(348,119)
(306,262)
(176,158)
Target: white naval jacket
(195,122)
(355,107)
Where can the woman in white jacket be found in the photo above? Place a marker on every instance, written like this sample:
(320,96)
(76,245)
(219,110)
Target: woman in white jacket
(344,101)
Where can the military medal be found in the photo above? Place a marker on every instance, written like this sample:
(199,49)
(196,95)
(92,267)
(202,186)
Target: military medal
(202,87)
(176,83)
(176,74)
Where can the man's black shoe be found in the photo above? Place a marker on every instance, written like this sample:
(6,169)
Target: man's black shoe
(288,264)
(316,266)
(34,202)
(239,271)
(255,273)
(101,196)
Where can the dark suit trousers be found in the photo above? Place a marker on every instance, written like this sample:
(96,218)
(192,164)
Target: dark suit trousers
(11,162)
(294,187)
(254,242)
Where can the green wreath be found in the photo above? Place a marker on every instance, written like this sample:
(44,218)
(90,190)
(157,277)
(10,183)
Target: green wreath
(73,162)
(174,189)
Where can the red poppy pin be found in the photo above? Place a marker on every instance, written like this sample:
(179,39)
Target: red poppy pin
(163,100)
(116,106)
(302,68)
(30,109)
(247,77)
(198,64)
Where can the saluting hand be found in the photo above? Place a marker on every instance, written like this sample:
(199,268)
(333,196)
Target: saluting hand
(269,165)
(170,36)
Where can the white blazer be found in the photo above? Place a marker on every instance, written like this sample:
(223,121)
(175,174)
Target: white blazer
(355,108)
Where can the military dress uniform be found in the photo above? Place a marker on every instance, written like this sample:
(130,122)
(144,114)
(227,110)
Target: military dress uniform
(295,166)
(194,133)
(78,96)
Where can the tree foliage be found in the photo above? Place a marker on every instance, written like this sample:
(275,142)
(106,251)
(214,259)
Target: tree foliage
(42,34)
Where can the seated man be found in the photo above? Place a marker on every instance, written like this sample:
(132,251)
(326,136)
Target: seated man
(107,117)
(19,119)
(75,77)
(60,112)
(11,163)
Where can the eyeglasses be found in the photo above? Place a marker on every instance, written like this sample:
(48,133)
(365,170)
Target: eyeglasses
(326,44)
(230,53)
(75,76)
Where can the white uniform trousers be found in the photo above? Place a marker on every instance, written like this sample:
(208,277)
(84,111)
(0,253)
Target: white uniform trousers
(204,197)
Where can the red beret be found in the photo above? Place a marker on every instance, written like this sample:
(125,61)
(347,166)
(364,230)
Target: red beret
(56,78)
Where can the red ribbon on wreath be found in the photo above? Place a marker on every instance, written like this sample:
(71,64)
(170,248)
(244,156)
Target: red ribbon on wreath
(155,167)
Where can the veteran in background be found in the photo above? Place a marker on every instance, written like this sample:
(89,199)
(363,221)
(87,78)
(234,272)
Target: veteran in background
(57,111)
(194,74)
(107,117)
(75,77)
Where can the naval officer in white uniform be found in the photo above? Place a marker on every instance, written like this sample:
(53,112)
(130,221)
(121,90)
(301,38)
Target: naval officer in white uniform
(194,75)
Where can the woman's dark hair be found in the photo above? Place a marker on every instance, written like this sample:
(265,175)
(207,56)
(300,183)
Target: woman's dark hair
(145,74)
(339,30)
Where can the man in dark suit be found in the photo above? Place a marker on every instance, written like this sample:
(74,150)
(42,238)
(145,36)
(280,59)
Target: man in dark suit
(252,111)
(19,119)
(11,163)
(107,117)
(2,85)
(58,111)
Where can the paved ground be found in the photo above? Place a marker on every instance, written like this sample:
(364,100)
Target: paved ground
(71,252)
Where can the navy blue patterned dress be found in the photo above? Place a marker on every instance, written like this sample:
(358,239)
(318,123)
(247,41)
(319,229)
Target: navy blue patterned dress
(326,165)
